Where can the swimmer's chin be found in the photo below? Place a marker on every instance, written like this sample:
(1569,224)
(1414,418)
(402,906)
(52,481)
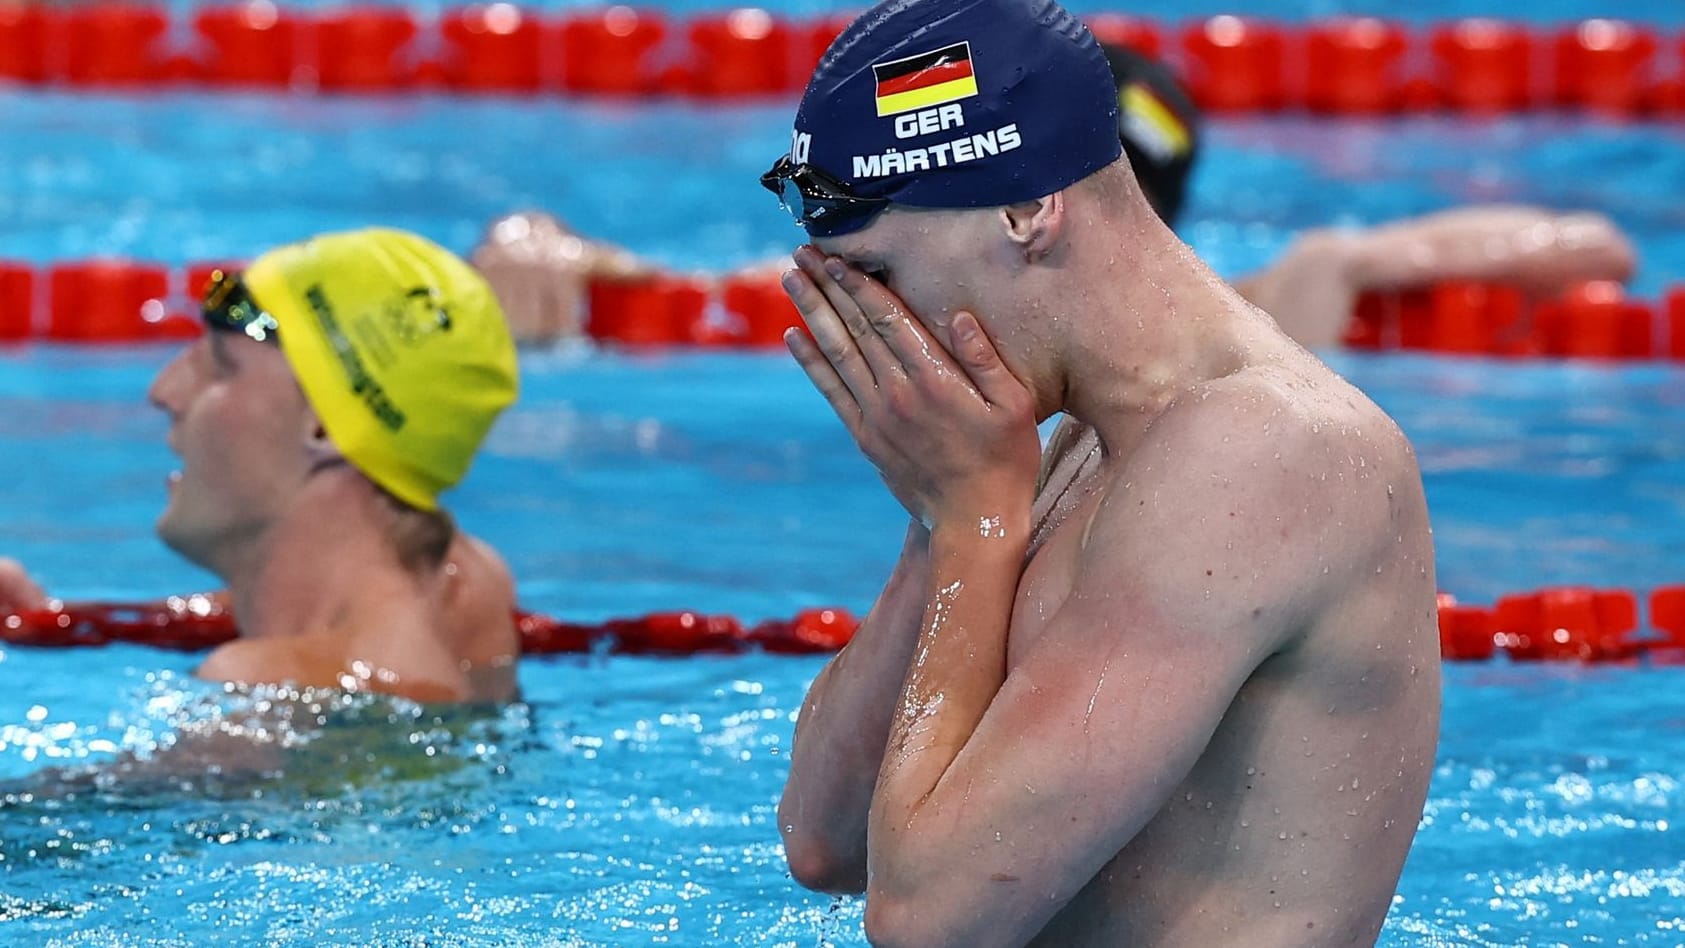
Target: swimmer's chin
(169,535)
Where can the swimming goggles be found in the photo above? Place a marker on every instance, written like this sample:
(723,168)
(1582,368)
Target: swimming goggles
(229,307)
(815,198)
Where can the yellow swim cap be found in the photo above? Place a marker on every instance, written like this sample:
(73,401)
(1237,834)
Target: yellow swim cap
(400,347)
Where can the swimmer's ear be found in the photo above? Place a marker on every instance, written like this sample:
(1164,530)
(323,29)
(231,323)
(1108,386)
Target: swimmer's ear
(1034,226)
(316,440)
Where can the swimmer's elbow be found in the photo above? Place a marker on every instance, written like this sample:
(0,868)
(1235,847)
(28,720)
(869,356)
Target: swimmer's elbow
(818,864)
(889,922)
(1600,248)
(913,922)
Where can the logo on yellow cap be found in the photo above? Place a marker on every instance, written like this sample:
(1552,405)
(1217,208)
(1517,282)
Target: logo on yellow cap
(418,315)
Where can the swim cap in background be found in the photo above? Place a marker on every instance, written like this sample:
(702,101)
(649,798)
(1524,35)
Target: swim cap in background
(1159,125)
(400,347)
(957,103)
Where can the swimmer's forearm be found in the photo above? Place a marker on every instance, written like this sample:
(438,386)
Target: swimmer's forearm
(1313,287)
(843,728)
(1538,250)
(956,671)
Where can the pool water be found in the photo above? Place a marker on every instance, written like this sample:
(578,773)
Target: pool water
(191,177)
(630,801)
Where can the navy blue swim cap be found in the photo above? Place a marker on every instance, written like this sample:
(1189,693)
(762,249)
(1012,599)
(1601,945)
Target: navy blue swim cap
(955,103)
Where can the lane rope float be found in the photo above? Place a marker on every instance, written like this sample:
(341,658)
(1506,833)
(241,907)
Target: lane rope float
(1559,623)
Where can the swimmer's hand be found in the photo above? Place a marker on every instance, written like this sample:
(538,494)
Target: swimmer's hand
(17,590)
(952,433)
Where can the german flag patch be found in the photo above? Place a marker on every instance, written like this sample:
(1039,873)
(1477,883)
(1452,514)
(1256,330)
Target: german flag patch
(919,82)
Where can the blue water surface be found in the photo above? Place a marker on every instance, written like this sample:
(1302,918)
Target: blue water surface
(187,177)
(630,801)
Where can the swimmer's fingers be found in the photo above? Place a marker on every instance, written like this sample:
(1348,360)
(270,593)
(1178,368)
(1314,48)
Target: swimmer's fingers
(841,283)
(832,339)
(916,353)
(981,361)
(825,378)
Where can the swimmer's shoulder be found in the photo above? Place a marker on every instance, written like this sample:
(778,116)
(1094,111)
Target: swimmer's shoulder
(1335,449)
(1293,424)
(305,661)
(479,598)
(479,578)
(390,650)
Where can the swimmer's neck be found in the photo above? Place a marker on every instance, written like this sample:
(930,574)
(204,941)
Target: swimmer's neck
(1156,322)
(327,565)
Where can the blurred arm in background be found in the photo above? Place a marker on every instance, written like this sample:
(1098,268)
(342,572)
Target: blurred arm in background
(1312,289)
(541,271)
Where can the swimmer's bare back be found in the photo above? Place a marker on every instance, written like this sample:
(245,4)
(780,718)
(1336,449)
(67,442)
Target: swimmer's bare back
(1293,823)
(449,637)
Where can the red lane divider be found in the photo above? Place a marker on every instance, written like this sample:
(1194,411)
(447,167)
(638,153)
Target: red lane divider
(194,623)
(23,42)
(655,311)
(250,44)
(105,300)
(1675,323)
(493,48)
(1606,66)
(123,301)
(1236,65)
(1565,623)
(666,311)
(118,301)
(608,53)
(1338,66)
(97,301)
(1591,321)
(1484,66)
(742,53)
(17,302)
(108,44)
(364,49)
(762,310)
(1355,67)
(1559,623)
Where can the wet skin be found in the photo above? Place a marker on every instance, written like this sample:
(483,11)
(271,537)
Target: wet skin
(1186,697)
(303,542)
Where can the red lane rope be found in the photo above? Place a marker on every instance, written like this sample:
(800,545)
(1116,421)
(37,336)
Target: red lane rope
(1559,623)
(1566,623)
(115,301)
(118,301)
(1342,66)
(194,623)
(1593,320)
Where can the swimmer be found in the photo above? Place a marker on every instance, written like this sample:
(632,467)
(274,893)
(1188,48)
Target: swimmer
(1313,287)
(1189,696)
(341,385)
